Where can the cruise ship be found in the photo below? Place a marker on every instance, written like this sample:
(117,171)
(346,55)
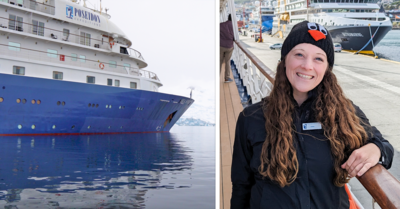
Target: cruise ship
(356,24)
(267,14)
(68,69)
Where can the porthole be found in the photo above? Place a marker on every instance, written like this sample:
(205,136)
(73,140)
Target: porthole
(19,126)
(88,127)
(18,100)
(1,99)
(63,103)
(110,106)
(119,107)
(33,126)
(106,106)
(24,101)
(89,105)
(58,103)
(38,102)
(121,127)
(123,107)
(93,105)
(54,126)
(33,101)
(109,127)
(73,127)
(97,105)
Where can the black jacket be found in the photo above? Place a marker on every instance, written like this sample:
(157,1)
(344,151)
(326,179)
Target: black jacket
(313,187)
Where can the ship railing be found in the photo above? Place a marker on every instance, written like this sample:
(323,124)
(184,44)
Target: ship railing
(256,76)
(135,53)
(48,7)
(380,184)
(52,56)
(39,28)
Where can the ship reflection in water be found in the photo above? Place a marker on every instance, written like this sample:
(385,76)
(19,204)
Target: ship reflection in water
(107,171)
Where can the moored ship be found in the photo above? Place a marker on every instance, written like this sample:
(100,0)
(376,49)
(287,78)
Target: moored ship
(356,24)
(267,15)
(67,69)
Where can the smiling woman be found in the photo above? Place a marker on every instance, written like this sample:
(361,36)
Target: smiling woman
(302,144)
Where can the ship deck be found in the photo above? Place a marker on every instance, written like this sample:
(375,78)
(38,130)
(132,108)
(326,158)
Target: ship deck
(230,107)
(372,84)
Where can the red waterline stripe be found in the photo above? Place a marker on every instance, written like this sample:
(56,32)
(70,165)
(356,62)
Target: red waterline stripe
(102,133)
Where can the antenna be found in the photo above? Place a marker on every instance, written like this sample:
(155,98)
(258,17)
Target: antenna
(84,3)
(101,9)
(107,9)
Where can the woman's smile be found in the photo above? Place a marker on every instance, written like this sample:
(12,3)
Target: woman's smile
(307,77)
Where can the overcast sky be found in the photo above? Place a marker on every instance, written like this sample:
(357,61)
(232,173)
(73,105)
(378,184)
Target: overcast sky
(177,40)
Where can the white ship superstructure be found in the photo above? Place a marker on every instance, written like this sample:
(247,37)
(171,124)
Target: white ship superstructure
(350,22)
(81,41)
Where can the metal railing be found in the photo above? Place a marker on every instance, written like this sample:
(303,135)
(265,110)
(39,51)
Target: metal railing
(258,79)
(58,58)
(50,33)
(256,76)
(34,5)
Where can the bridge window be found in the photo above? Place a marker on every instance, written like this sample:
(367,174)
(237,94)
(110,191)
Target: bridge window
(85,39)
(82,58)
(15,23)
(14,46)
(74,57)
(38,28)
(123,50)
(52,53)
(18,70)
(109,82)
(57,75)
(113,64)
(65,32)
(90,79)
(127,67)
(133,85)
(116,83)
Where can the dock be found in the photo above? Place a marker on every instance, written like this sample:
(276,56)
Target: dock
(372,84)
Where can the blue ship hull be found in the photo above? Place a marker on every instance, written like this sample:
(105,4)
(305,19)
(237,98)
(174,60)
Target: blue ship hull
(267,22)
(79,108)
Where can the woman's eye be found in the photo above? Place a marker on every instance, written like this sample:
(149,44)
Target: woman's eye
(319,59)
(298,54)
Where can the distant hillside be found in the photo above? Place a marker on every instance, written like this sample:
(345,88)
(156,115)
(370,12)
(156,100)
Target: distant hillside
(193,122)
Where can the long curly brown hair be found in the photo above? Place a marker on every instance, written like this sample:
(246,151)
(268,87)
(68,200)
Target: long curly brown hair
(332,109)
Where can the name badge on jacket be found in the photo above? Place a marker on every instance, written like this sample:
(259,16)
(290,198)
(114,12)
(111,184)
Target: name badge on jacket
(312,126)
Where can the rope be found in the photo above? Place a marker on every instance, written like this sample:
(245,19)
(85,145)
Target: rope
(370,39)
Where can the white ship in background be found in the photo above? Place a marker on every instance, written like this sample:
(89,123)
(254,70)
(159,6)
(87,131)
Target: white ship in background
(351,23)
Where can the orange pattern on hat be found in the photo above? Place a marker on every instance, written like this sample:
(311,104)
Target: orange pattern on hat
(317,35)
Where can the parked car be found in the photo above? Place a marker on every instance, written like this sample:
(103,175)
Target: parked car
(276,46)
(337,47)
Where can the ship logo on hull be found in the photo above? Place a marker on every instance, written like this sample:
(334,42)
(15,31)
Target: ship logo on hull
(352,34)
(70,12)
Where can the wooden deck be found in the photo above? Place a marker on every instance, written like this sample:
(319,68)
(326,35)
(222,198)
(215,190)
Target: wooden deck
(230,108)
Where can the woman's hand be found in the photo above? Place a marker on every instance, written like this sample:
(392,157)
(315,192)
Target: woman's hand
(362,159)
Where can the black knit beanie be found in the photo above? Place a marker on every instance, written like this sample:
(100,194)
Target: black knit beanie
(312,33)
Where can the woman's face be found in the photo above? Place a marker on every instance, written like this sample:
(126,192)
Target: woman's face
(305,67)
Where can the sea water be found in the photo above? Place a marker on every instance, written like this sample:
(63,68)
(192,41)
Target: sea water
(389,47)
(153,170)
